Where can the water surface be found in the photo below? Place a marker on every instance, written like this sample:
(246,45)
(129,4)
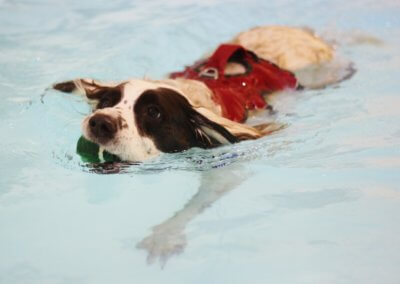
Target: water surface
(318,202)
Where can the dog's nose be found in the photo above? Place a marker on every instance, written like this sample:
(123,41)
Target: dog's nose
(102,127)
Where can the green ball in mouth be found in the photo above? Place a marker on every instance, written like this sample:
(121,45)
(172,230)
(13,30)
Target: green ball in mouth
(91,153)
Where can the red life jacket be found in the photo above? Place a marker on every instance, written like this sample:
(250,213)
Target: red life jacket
(238,93)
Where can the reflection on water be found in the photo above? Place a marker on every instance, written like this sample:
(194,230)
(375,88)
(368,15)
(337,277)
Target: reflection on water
(313,199)
(168,238)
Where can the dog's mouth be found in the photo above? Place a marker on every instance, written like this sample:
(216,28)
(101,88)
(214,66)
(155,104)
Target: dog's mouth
(99,141)
(91,152)
(100,161)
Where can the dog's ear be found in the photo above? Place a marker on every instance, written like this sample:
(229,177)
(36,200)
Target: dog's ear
(210,133)
(213,130)
(97,93)
(241,131)
(190,126)
(173,123)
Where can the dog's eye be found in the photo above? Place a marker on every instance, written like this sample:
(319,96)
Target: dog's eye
(153,112)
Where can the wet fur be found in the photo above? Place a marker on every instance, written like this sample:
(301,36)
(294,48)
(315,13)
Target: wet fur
(189,116)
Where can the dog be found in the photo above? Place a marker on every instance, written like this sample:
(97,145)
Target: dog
(139,119)
(207,104)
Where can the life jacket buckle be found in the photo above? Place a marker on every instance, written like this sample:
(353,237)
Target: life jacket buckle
(209,72)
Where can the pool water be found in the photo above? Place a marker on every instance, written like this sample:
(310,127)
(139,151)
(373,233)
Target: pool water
(318,202)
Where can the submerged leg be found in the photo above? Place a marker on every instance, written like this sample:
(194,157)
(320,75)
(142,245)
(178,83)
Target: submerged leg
(168,238)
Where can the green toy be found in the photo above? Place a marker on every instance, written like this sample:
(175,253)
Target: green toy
(90,152)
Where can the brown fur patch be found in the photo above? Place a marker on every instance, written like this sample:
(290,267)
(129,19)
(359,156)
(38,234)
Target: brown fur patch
(174,125)
(66,87)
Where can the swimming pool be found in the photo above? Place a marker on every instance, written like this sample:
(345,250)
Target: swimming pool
(318,202)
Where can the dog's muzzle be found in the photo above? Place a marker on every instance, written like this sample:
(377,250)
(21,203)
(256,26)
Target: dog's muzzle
(102,128)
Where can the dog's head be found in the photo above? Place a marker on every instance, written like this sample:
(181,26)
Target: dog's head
(138,119)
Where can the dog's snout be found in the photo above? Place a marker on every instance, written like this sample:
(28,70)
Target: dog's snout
(102,127)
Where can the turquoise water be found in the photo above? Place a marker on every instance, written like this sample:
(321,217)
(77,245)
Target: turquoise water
(318,202)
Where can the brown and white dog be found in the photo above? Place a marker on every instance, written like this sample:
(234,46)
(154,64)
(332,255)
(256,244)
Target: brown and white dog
(139,119)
